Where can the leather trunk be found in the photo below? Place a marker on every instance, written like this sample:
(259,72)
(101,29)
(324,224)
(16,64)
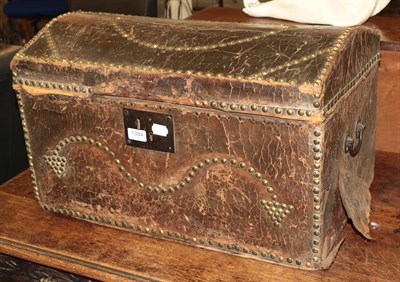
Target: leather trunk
(256,140)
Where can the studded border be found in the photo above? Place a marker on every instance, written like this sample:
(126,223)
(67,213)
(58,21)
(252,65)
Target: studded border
(316,199)
(27,144)
(54,85)
(336,45)
(253,108)
(167,234)
(154,45)
(230,248)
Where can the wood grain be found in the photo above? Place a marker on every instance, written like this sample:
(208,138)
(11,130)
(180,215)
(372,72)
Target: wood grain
(109,254)
(388,112)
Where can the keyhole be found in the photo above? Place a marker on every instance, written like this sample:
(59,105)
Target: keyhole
(137,122)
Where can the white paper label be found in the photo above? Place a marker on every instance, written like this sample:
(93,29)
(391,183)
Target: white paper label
(137,135)
(160,130)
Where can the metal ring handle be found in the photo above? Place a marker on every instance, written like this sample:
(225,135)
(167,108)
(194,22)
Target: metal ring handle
(353,147)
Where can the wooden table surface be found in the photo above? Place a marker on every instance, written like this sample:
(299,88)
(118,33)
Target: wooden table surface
(104,253)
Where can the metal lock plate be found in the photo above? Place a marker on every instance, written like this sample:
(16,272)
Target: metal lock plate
(149,130)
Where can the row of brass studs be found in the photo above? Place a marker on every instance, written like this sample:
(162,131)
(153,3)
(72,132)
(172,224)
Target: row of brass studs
(257,76)
(254,108)
(322,75)
(39,34)
(289,64)
(150,69)
(54,85)
(178,236)
(27,144)
(58,164)
(228,248)
(348,88)
(153,45)
(332,52)
(52,44)
(316,181)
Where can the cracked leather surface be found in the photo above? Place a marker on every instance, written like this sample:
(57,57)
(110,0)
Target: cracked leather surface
(221,202)
(93,42)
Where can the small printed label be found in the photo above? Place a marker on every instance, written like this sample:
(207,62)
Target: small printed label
(137,134)
(160,130)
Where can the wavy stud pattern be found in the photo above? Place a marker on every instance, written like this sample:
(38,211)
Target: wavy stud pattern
(276,211)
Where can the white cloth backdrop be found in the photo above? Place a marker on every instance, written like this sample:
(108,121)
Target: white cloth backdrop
(331,12)
(178,9)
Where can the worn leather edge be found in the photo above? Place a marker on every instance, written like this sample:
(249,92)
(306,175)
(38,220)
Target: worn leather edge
(327,262)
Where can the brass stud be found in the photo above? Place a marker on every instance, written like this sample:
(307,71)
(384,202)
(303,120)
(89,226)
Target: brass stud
(278,110)
(316,104)
(233,106)
(233,162)
(257,175)
(214,104)
(308,113)
(316,181)
(197,103)
(242,165)
(290,112)
(289,260)
(254,107)
(265,109)
(243,107)
(316,190)
(265,182)
(222,104)
(250,169)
